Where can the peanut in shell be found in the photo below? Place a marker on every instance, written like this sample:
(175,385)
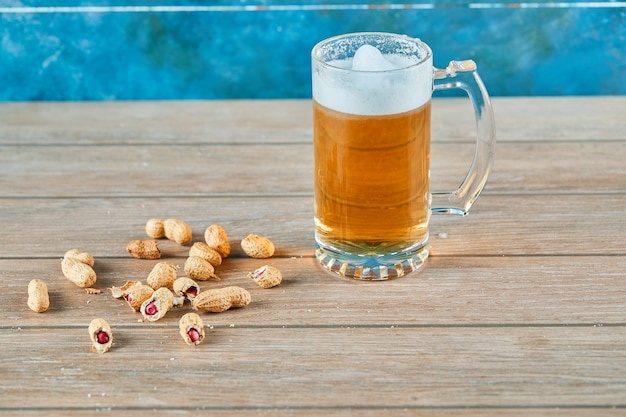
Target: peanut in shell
(200,269)
(163,274)
(155,228)
(257,246)
(38,298)
(221,299)
(215,236)
(144,249)
(80,255)
(204,251)
(78,272)
(178,231)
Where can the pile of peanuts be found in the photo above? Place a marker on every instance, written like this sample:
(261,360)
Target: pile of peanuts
(164,289)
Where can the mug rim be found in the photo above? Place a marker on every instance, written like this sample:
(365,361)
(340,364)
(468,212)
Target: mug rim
(315,55)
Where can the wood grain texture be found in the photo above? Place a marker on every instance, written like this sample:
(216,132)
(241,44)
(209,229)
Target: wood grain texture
(450,291)
(278,169)
(286,121)
(404,367)
(521,309)
(499,225)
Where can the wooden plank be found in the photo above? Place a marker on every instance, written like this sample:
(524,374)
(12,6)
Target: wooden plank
(318,368)
(180,122)
(278,169)
(534,226)
(499,225)
(560,118)
(320,411)
(449,291)
(288,121)
(523,167)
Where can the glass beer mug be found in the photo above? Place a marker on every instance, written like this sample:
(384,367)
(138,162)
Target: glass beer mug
(371,113)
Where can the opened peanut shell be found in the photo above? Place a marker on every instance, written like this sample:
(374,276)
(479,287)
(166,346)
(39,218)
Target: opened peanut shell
(157,306)
(100,335)
(191,329)
(266,276)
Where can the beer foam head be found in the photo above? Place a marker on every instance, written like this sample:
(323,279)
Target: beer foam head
(372,74)
(369,58)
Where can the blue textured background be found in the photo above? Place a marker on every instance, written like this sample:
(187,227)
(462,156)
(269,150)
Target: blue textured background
(106,50)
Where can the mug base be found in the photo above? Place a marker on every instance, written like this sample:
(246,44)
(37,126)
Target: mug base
(371,268)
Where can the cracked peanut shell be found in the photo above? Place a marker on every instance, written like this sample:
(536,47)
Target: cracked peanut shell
(191,329)
(186,287)
(157,305)
(134,292)
(137,294)
(100,335)
(266,276)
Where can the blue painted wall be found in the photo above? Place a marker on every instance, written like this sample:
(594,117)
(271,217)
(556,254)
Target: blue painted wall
(121,50)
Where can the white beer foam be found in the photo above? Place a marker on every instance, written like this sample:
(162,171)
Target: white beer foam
(373,84)
(369,58)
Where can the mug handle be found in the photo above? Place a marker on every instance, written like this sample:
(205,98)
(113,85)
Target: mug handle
(463,75)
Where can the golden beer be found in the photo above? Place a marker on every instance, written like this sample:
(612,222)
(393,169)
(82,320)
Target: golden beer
(371,179)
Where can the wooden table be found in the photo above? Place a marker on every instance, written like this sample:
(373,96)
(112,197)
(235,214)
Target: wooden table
(521,309)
